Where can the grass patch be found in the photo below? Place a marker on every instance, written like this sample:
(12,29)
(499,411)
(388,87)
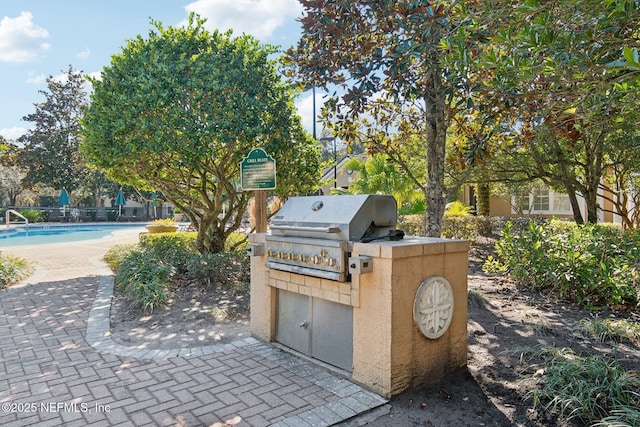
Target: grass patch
(542,329)
(13,269)
(144,279)
(617,330)
(116,255)
(595,389)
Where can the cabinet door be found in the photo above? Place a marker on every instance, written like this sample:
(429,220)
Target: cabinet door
(315,327)
(293,321)
(332,333)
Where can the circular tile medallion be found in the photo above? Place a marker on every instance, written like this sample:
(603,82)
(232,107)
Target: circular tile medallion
(433,306)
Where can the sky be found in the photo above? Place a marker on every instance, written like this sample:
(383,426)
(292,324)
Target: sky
(41,38)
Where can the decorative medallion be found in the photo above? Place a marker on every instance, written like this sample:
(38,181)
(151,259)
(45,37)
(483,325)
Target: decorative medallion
(433,307)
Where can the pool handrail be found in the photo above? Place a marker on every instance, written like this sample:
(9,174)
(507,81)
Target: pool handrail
(7,217)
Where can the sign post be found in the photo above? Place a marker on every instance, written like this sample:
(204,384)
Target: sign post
(258,173)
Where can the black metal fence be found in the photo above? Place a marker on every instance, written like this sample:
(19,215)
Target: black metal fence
(94,214)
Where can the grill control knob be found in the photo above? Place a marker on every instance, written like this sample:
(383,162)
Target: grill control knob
(282,254)
(271,252)
(304,257)
(316,259)
(332,262)
(293,256)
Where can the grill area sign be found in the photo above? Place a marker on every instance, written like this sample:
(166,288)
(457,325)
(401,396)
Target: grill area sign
(258,171)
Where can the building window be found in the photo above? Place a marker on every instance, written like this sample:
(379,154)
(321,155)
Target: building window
(561,202)
(542,200)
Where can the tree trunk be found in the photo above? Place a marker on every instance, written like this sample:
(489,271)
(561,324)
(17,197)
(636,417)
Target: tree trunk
(211,238)
(483,195)
(434,194)
(575,206)
(436,132)
(591,199)
(214,241)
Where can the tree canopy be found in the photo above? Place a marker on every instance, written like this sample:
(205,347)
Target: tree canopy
(568,76)
(413,56)
(177,111)
(50,154)
(527,90)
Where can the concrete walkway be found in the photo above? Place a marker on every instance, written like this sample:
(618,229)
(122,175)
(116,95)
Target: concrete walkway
(59,366)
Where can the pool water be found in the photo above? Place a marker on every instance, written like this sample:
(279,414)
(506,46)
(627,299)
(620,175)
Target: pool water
(43,234)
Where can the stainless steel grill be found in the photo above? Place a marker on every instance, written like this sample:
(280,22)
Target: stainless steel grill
(313,235)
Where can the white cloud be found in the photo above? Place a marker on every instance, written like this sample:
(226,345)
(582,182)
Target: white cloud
(20,39)
(35,79)
(61,78)
(12,134)
(84,54)
(256,17)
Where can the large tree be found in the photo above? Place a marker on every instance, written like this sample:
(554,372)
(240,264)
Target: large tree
(50,152)
(411,58)
(177,111)
(565,71)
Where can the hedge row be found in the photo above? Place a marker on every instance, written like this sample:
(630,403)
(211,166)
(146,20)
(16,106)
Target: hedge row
(467,227)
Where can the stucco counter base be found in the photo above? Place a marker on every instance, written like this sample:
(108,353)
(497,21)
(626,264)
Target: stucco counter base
(390,351)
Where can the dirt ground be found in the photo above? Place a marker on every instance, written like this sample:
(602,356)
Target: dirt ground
(197,314)
(504,319)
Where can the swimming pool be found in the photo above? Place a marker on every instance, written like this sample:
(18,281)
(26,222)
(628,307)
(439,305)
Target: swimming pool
(59,233)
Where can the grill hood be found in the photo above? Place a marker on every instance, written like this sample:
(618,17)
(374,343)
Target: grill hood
(345,218)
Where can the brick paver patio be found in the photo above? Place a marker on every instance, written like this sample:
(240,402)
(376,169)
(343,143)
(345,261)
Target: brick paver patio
(59,366)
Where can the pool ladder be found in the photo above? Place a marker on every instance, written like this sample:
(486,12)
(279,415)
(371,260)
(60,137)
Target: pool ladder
(7,217)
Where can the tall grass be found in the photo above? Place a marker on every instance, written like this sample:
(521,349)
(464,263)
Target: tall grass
(617,330)
(13,269)
(592,389)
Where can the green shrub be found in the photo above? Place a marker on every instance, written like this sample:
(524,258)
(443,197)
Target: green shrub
(592,389)
(413,208)
(147,270)
(229,269)
(13,269)
(467,227)
(170,222)
(175,249)
(32,215)
(112,214)
(591,264)
(117,254)
(237,242)
(412,225)
(457,208)
(45,216)
(144,279)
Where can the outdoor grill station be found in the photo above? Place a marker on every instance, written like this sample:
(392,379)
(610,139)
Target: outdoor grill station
(335,281)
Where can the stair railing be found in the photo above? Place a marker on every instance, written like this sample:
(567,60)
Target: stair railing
(7,217)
